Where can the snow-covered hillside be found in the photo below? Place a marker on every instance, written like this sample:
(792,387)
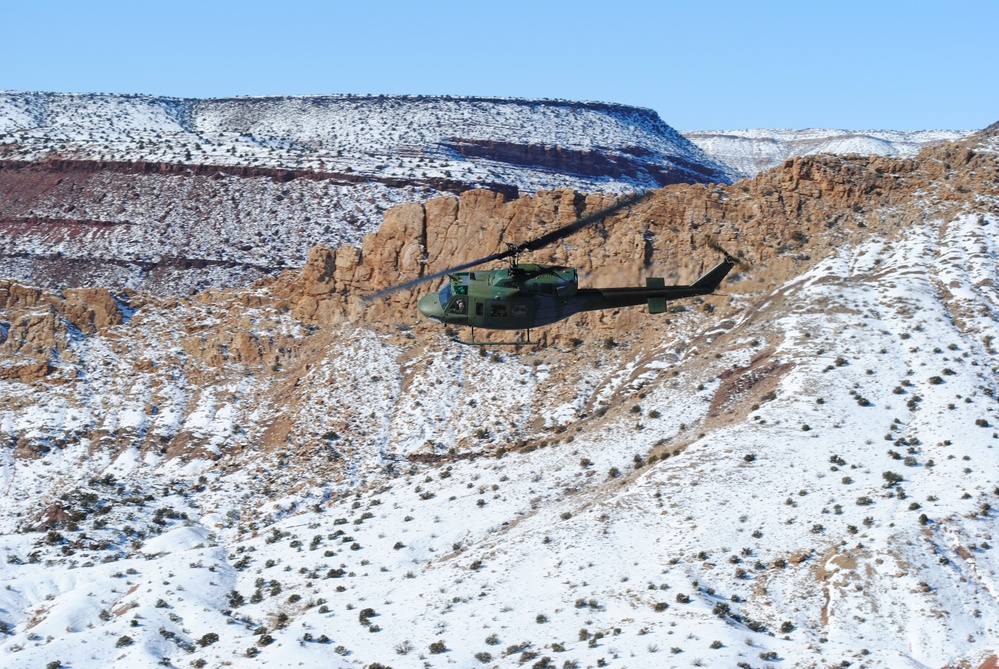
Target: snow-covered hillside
(474,140)
(800,472)
(178,195)
(848,517)
(752,151)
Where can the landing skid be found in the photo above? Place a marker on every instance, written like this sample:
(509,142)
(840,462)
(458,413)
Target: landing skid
(527,341)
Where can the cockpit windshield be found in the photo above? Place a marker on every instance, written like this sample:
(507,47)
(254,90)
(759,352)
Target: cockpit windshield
(445,294)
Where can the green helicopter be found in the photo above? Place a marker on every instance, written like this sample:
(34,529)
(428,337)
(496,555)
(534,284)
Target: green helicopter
(523,296)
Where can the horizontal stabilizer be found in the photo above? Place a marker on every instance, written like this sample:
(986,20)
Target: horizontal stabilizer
(657,305)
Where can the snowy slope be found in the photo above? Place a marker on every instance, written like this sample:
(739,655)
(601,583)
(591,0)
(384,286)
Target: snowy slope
(805,477)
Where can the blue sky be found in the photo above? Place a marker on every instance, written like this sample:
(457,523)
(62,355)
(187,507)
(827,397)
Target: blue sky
(719,64)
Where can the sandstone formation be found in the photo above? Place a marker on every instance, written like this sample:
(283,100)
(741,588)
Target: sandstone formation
(778,222)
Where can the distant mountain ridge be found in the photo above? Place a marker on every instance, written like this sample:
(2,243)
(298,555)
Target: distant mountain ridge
(175,195)
(399,136)
(749,152)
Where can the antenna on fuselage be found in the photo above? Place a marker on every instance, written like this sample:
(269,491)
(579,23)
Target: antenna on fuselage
(514,250)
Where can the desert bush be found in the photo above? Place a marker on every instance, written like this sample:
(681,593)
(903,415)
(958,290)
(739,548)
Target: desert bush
(891,478)
(516,648)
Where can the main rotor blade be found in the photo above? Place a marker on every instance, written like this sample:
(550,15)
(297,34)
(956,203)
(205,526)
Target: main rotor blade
(576,226)
(532,245)
(412,283)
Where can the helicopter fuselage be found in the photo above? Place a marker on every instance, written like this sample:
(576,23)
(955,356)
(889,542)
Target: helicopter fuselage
(527,296)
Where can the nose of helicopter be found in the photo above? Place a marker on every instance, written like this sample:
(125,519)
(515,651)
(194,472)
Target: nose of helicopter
(430,306)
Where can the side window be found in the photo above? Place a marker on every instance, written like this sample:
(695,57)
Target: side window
(519,311)
(498,310)
(458,306)
(479,308)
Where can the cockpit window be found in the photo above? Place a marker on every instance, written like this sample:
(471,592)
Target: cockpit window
(445,294)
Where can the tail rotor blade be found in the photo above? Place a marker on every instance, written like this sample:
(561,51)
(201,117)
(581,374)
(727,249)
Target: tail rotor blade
(713,244)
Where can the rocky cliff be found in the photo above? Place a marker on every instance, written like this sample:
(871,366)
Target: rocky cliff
(780,221)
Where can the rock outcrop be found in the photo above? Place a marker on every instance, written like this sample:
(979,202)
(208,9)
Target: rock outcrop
(778,222)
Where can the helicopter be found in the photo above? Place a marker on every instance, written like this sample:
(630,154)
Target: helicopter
(523,296)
